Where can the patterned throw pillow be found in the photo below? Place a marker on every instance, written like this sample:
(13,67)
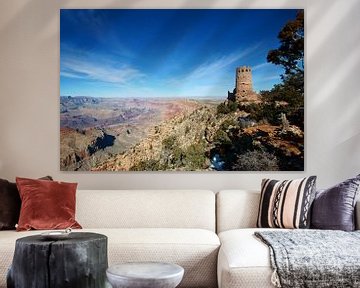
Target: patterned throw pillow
(286,204)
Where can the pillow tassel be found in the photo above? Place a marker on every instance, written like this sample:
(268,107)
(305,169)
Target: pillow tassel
(275,280)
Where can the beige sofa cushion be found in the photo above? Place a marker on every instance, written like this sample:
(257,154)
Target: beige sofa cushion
(146,209)
(194,249)
(236,209)
(244,261)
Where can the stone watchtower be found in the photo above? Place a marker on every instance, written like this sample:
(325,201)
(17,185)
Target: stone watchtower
(243,91)
(243,84)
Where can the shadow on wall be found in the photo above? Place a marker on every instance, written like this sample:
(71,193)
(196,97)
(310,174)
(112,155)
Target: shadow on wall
(40,9)
(333,35)
(337,32)
(340,70)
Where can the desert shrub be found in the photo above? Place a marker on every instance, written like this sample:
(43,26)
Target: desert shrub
(177,156)
(225,133)
(150,165)
(228,123)
(297,118)
(222,108)
(256,111)
(256,160)
(232,105)
(222,138)
(195,156)
(265,112)
(169,142)
(272,113)
(252,108)
(227,107)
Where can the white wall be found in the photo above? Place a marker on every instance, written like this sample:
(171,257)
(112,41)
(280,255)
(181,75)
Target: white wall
(29,93)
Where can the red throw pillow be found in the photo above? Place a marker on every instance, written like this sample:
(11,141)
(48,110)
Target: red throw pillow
(10,204)
(46,204)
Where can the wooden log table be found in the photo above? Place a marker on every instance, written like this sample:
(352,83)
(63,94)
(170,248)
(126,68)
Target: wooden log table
(78,261)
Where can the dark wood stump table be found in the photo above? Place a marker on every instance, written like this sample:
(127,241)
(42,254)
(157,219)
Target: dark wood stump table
(79,261)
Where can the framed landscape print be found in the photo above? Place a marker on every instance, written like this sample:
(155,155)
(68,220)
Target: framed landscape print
(181,90)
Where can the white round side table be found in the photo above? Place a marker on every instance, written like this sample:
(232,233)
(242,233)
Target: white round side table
(145,275)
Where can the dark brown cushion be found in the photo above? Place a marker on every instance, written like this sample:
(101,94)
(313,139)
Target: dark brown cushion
(46,204)
(10,204)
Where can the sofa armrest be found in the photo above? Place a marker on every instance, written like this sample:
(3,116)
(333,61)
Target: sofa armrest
(357,215)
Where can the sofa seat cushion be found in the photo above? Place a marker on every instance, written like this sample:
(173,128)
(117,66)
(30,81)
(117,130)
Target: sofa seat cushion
(194,249)
(244,261)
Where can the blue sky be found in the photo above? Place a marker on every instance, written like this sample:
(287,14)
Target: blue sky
(166,53)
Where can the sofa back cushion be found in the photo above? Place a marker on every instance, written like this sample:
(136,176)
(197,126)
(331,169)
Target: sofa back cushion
(236,209)
(146,209)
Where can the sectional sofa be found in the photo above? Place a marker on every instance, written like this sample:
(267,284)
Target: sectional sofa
(210,235)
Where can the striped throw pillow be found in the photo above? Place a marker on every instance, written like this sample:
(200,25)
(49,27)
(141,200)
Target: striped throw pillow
(286,204)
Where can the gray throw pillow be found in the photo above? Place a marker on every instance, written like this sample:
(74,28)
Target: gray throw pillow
(334,208)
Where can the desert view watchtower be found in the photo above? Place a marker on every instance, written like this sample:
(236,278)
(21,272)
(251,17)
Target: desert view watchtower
(243,85)
(243,91)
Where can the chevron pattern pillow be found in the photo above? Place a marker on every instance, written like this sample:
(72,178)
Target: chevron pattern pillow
(286,204)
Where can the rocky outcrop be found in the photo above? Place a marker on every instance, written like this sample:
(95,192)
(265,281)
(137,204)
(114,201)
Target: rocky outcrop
(192,140)
(172,144)
(274,138)
(77,145)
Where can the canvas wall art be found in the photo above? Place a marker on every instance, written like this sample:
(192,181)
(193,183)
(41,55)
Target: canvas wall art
(181,90)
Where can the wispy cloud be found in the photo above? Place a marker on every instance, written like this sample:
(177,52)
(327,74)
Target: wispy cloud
(70,75)
(104,72)
(211,76)
(269,78)
(274,77)
(210,68)
(261,66)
